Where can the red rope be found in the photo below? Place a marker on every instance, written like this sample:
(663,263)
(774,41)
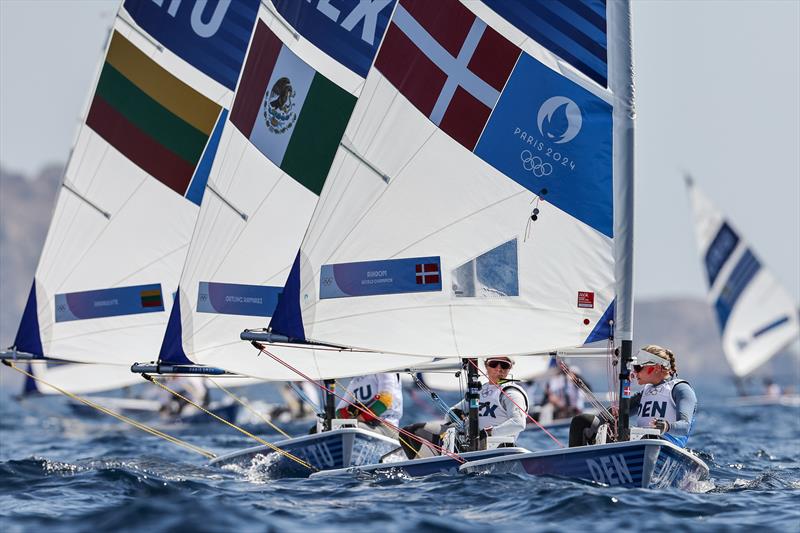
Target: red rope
(504,393)
(401,431)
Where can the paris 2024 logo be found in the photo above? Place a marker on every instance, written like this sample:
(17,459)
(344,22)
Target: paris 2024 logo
(559,120)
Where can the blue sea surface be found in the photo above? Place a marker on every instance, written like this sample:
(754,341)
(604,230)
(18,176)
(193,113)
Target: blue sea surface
(61,473)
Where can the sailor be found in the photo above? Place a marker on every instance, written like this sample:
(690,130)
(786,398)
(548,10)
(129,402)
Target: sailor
(381,396)
(562,397)
(502,409)
(192,387)
(301,400)
(665,402)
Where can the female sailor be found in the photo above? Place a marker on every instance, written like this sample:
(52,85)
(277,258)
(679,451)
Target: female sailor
(380,395)
(502,410)
(665,402)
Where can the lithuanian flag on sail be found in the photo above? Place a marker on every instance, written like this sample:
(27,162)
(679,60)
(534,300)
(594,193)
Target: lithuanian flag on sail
(150,116)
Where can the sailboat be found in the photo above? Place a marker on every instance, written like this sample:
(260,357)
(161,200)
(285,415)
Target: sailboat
(485,140)
(756,315)
(104,286)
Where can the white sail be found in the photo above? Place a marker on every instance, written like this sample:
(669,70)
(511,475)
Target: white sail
(287,121)
(472,213)
(756,315)
(131,192)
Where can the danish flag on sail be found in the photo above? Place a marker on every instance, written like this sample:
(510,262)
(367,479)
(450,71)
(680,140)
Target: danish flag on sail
(448,63)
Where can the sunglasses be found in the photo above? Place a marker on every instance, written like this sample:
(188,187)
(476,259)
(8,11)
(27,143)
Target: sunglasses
(639,368)
(494,363)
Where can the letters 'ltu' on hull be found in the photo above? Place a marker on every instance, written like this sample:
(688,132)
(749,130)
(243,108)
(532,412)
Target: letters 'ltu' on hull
(340,448)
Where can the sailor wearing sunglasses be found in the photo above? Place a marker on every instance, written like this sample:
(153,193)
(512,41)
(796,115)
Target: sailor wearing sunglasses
(503,402)
(497,413)
(665,402)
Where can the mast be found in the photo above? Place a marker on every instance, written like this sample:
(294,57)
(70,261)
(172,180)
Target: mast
(330,403)
(473,395)
(621,85)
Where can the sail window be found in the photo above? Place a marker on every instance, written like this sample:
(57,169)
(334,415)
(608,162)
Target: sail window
(490,275)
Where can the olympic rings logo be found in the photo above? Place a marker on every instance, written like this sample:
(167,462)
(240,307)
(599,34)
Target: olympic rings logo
(534,163)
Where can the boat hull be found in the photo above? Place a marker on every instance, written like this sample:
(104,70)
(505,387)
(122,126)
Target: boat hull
(647,463)
(340,448)
(442,464)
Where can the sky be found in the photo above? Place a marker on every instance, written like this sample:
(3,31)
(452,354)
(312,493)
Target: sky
(717,95)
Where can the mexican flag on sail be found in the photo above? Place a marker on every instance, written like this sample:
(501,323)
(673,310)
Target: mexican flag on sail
(293,114)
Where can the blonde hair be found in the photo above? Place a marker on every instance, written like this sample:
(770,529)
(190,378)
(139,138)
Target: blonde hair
(663,353)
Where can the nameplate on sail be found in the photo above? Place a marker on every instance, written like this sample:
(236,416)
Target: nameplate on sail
(349,31)
(109,302)
(212,36)
(389,276)
(234,299)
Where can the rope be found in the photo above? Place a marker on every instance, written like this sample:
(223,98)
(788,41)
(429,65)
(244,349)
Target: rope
(504,393)
(300,394)
(274,448)
(439,402)
(249,408)
(419,439)
(399,438)
(118,416)
(578,382)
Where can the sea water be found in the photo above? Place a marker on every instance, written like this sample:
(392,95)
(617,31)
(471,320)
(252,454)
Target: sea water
(61,473)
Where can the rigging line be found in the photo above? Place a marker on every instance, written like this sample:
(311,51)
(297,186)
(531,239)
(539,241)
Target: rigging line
(438,401)
(274,448)
(578,382)
(247,406)
(118,416)
(504,393)
(300,394)
(419,439)
(399,437)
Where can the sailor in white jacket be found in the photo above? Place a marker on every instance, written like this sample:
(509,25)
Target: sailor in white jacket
(380,399)
(502,411)
(503,403)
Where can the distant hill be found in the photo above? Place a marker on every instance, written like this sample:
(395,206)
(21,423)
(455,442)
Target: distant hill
(26,204)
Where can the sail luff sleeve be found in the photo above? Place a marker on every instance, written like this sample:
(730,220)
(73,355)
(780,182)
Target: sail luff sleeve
(621,81)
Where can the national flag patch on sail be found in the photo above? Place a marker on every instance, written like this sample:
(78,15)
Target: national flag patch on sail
(102,303)
(448,63)
(294,115)
(151,298)
(388,276)
(150,116)
(427,273)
